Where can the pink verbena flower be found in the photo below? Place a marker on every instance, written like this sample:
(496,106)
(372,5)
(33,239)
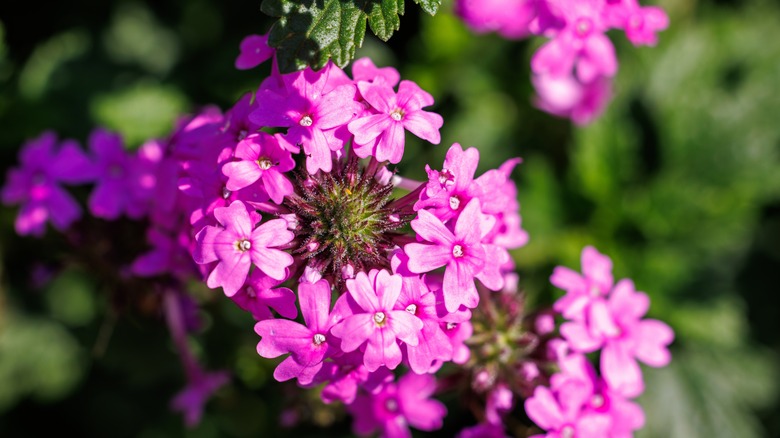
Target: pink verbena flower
(236,245)
(113,194)
(363,69)
(580,42)
(561,414)
(596,281)
(461,251)
(261,158)
(345,375)
(641,24)
(398,406)
(312,105)
(254,51)
(566,96)
(36,185)
(378,324)
(307,344)
(260,294)
(615,324)
(624,416)
(382,134)
(510,18)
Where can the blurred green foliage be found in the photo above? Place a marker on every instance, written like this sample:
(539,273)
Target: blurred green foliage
(679,182)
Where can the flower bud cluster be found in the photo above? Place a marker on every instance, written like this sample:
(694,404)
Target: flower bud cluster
(573,71)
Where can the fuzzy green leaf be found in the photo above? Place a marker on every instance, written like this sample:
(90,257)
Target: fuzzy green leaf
(309,32)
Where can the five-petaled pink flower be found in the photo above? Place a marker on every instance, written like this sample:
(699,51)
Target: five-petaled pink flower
(379,323)
(235,245)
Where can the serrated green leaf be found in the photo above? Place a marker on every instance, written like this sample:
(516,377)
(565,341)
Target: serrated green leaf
(429,6)
(310,32)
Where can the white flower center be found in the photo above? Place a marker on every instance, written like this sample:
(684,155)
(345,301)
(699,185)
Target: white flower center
(597,401)
(306,121)
(243,245)
(451,325)
(391,405)
(412,308)
(567,432)
(264,163)
(454,202)
(225,193)
(318,339)
(397,114)
(379,318)
(242,134)
(583,26)
(457,251)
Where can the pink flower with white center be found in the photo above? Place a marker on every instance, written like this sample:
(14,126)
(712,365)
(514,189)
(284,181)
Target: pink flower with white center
(261,158)
(260,294)
(582,289)
(307,344)
(254,51)
(561,412)
(363,69)
(36,185)
(236,245)
(510,18)
(581,42)
(312,110)
(462,252)
(625,416)
(449,191)
(379,325)
(615,324)
(565,96)
(382,134)
(433,344)
(397,406)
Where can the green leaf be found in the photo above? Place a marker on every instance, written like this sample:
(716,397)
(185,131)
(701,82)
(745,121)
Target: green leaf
(429,6)
(310,32)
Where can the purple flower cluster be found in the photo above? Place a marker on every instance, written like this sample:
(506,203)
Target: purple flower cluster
(573,71)
(351,271)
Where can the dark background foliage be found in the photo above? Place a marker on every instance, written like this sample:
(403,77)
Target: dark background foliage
(679,182)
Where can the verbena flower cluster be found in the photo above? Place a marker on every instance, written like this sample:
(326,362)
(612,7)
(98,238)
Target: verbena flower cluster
(289,202)
(573,71)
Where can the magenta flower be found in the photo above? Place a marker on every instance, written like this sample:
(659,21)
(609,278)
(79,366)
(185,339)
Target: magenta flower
(191,400)
(561,413)
(36,185)
(312,110)
(345,375)
(397,406)
(363,69)
(382,134)
(641,24)
(113,193)
(565,96)
(595,282)
(236,246)
(433,344)
(625,416)
(465,257)
(615,325)
(379,324)
(261,158)
(307,344)
(260,294)
(254,51)
(580,42)
(510,18)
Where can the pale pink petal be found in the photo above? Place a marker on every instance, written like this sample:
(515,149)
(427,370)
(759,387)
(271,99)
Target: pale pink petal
(430,228)
(354,330)
(424,124)
(241,174)
(368,128)
(543,409)
(621,371)
(652,337)
(425,258)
